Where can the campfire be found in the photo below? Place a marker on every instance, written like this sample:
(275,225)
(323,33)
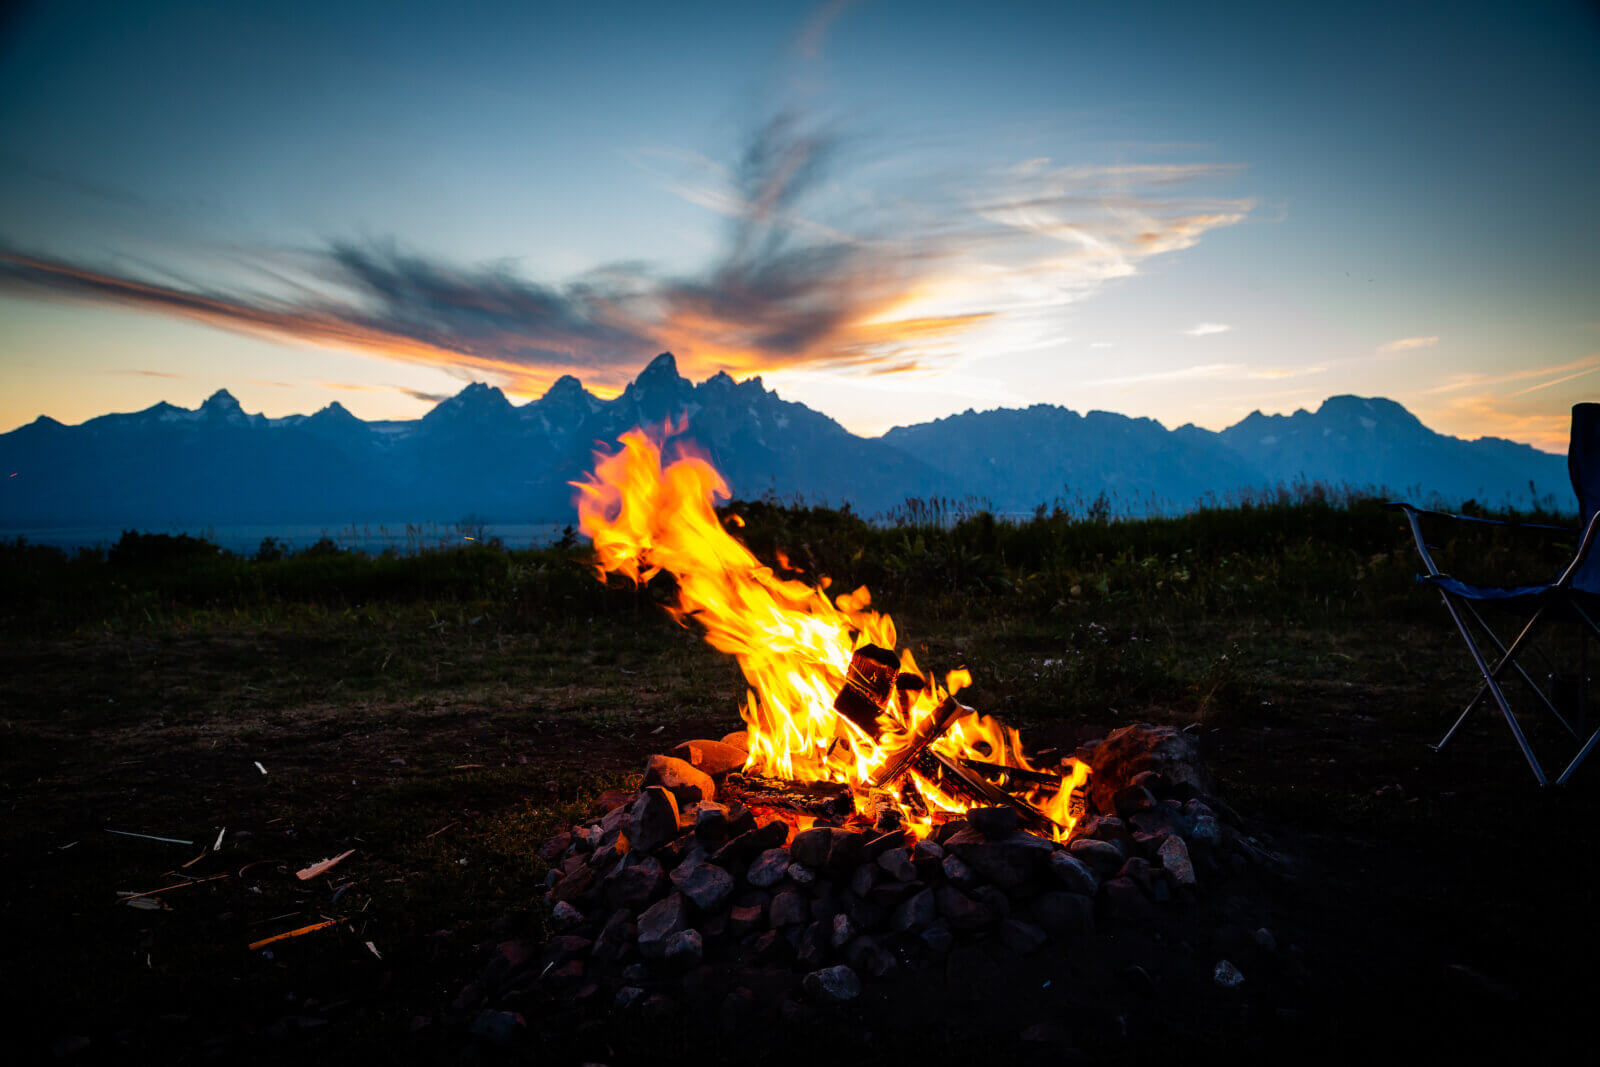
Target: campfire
(832,704)
(864,823)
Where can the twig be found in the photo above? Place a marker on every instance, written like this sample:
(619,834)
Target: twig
(175,885)
(218,846)
(440,830)
(151,837)
(260,768)
(313,928)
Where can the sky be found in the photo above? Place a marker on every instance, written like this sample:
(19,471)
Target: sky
(890,211)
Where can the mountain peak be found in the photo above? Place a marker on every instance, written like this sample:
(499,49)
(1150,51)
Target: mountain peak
(665,365)
(221,402)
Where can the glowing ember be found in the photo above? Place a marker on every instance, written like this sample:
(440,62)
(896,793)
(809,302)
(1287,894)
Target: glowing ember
(795,647)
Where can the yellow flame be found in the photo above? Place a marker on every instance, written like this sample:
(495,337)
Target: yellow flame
(793,644)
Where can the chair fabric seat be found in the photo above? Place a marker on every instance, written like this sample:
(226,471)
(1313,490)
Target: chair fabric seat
(1518,597)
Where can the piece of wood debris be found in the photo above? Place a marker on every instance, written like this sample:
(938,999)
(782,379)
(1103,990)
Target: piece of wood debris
(313,928)
(220,834)
(125,895)
(145,903)
(260,768)
(374,950)
(440,830)
(204,852)
(322,867)
(150,837)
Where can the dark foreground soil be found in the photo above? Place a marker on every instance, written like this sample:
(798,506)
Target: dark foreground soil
(1440,905)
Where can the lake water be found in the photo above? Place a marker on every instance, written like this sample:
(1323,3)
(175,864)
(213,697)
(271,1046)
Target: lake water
(366,537)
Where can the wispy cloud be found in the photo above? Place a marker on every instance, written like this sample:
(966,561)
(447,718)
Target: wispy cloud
(802,278)
(1407,344)
(1563,372)
(1238,371)
(1490,415)
(148,373)
(1206,329)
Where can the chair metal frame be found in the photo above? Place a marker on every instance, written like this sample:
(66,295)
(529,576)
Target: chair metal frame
(1558,596)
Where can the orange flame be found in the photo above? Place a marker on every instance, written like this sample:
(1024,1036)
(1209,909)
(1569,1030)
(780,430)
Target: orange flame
(793,644)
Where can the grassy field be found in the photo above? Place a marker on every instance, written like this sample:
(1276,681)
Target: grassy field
(442,713)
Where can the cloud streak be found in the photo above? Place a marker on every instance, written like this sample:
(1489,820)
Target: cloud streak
(1408,344)
(987,259)
(1206,329)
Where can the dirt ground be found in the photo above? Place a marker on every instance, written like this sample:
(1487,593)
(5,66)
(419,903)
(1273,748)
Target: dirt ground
(1440,904)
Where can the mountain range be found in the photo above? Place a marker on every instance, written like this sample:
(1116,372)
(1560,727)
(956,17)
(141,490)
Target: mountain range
(477,454)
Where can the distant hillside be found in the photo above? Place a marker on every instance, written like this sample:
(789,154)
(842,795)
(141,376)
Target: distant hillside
(478,454)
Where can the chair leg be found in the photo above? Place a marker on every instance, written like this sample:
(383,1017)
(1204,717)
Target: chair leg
(1534,686)
(1491,683)
(1582,755)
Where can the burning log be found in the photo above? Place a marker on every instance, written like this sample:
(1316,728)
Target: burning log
(984,792)
(867,687)
(932,729)
(1015,777)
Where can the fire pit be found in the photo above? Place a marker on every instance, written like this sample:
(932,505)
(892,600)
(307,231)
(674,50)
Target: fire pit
(864,823)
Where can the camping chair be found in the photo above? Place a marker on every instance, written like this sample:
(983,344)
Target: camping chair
(1574,596)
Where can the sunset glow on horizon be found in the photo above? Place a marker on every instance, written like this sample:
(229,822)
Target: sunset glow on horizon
(890,212)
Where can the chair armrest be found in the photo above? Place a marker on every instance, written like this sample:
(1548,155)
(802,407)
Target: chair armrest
(1400,505)
(1584,546)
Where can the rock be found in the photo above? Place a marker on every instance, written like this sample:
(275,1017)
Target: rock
(1174,856)
(741,820)
(897,861)
(864,878)
(612,799)
(1102,857)
(866,914)
(960,910)
(684,949)
(801,875)
(812,951)
(681,778)
(634,886)
(710,822)
(1007,862)
(770,946)
(1132,799)
(658,1007)
(876,845)
(655,819)
(565,917)
(746,919)
(1151,879)
(706,885)
(811,847)
(845,849)
(959,874)
(1072,874)
(750,843)
(1227,975)
(832,985)
(1154,781)
(1063,914)
(937,939)
(994,823)
(711,757)
(915,913)
(842,933)
(992,897)
(575,886)
(1265,941)
(927,849)
(768,868)
(825,903)
(659,922)
(552,849)
(739,739)
(789,907)
(498,1028)
(615,936)
(1021,937)
(1121,898)
(627,997)
(1131,750)
(879,962)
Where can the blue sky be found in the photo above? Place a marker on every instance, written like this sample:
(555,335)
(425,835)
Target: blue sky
(891,211)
